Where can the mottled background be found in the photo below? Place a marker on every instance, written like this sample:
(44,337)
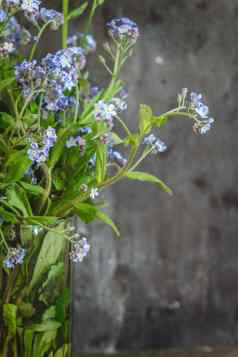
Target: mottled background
(172,280)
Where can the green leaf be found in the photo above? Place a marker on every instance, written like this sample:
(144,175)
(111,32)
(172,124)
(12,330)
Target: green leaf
(18,163)
(54,272)
(18,199)
(58,148)
(77,12)
(33,189)
(145,117)
(52,248)
(106,219)
(10,318)
(116,139)
(159,121)
(6,83)
(63,351)
(26,309)
(28,342)
(101,155)
(143,176)
(86,211)
(62,303)
(45,220)
(8,216)
(49,314)
(48,325)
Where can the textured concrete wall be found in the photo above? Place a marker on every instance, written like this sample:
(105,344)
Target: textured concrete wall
(173,278)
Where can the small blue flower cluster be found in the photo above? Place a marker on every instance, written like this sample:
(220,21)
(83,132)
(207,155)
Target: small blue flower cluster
(105,111)
(13,35)
(123,28)
(116,156)
(78,141)
(40,154)
(157,145)
(86,41)
(30,8)
(202,111)
(79,250)
(50,15)
(56,74)
(15,256)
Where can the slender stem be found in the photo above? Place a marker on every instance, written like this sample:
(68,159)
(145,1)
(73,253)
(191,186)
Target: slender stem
(47,173)
(91,15)
(65,28)
(121,172)
(34,47)
(142,158)
(76,113)
(124,125)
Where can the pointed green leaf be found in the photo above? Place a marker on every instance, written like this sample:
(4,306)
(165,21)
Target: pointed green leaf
(145,117)
(143,176)
(52,249)
(17,166)
(106,219)
(18,199)
(101,157)
(6,83)
(33,189)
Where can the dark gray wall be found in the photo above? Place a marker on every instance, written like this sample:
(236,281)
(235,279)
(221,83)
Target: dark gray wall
(173,278)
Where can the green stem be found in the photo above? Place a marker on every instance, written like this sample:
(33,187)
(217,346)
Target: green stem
(4,240)
(124,125)
(76,113)
(142,158)
(65,28)
(34,47)
(121,172)
(48,177)
(91,15)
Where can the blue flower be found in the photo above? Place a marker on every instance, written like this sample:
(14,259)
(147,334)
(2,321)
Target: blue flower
(157,145)
(15,256)
(3,16)
(105,111)
(116,156)
(86,41)
(40,154)
(79,250)
(56,18)
(123,28)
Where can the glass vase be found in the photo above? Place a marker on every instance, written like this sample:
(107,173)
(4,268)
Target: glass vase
(35,295)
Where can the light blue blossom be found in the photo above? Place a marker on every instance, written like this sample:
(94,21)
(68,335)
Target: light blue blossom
(56,18)
(123,28)
(79,250)
(105,111)
(39,155)
(157,145)
(15,256)
(86,41)
(3,16)
(77,141)
(116,156)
